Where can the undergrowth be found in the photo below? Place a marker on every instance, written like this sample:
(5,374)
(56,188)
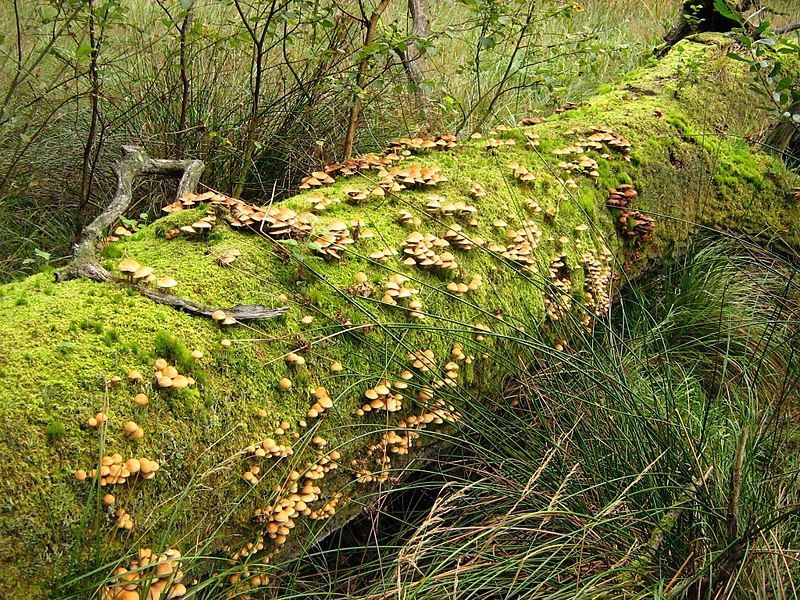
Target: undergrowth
(658,459)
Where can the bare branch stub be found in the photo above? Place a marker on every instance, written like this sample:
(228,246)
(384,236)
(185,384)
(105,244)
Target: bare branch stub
(134,163)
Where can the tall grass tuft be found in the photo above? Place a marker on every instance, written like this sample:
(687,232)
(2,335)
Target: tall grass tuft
(657,459)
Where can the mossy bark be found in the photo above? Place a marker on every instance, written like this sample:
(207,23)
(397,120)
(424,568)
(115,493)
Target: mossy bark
(687,119)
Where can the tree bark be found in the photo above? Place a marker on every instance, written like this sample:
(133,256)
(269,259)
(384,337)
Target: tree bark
(699,16)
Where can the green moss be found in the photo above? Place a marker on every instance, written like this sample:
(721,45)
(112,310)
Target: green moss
(69,339)
(55,431)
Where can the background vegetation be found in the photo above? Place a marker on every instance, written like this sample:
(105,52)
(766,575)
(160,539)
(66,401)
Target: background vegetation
(262,91)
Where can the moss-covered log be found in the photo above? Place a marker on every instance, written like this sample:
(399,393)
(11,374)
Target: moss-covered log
(542,248)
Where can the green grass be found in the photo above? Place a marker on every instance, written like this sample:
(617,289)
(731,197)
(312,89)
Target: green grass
(656,460)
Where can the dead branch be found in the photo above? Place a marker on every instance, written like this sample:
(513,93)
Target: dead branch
(136,162)
(242,312)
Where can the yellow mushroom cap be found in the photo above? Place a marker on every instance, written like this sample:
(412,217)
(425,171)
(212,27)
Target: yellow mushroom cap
(141,400)
(218,315)
(336,367)
(109,499)
(165,381)
(143,272)
(179,381)
(166,282)
(285,383)
(128,266)
(197,354)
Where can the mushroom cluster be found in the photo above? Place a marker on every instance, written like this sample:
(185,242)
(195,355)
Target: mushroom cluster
(382,397)
(229,257)
(322,404)
(359,164)
(116,471)
(535,120)
(558,298)
(135,272)
(583,164)
(320,203)
(279,518)
(521,172)
(133,431)
(358,194)
(523,243)
(167,375)
(203,225)
(598,276)
(458,240)
(96,421)
(417,175)
(621,196)
(476,190)
(397,290)
(422,360)
(407,218)
(155,577)
(400,442)
(327,510)
(123,519)
(532,205)
(636,225)
(269,448)
(333,239)
(439,142)
(422,250)
(382,256)
(316,179)
(295,359)
(610,138)
(277,222)
(361,287)
(436,207)
(459,288)
(221,317)
(494,143)
(191,199)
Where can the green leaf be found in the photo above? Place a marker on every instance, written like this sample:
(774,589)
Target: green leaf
(45,256)
(738,57)
(83,50)
(726,11)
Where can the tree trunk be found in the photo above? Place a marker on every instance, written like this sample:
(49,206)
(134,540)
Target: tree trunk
(699,16)
(650,170)
(361,79)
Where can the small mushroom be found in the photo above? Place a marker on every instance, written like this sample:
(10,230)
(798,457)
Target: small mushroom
(128,266)
(166,283)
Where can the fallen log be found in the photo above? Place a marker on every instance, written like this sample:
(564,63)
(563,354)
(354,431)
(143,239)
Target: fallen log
(409,282)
